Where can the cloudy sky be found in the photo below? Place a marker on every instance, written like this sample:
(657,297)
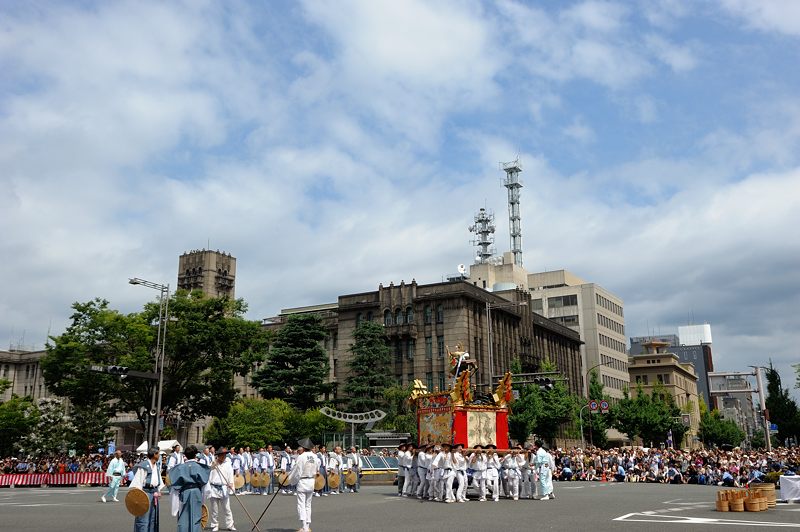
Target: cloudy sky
(331,146)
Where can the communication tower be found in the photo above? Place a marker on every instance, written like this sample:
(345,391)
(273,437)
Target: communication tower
(513,185)
(484,230)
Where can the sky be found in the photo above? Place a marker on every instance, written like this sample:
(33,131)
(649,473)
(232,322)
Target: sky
(333,146)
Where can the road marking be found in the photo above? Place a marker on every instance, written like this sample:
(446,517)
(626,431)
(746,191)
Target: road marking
(642,517)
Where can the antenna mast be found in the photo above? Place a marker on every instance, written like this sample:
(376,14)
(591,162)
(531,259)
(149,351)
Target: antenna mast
(484,229)
(511,182)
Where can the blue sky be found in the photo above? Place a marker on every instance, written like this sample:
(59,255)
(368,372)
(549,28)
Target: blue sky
(332,146)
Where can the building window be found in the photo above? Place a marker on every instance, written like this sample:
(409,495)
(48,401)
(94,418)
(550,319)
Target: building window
(441,381)
(369,316)
(398,317)
(409,315)
(387,318)
(410,378)
(398,350)
(358,319)
(411,346)
(536,305)
(440,314)
(440,346)
(429,381)
(428,347)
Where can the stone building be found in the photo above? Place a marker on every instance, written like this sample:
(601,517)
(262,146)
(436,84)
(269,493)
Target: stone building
(213,272)
(21,368)
(423,321)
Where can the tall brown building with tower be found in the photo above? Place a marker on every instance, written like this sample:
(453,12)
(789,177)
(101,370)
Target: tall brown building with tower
(213,272)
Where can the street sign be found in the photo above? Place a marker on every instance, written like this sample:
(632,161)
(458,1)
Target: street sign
(686,419)
(604,406)
(773,428)
(593,406)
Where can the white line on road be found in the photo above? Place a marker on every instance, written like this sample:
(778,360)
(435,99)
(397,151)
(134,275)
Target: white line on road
(685,520)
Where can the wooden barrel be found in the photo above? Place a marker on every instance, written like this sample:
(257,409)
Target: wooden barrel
(736,505)
(768,491)
(722,505)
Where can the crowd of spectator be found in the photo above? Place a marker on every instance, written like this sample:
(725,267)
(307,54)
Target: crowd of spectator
(88,463)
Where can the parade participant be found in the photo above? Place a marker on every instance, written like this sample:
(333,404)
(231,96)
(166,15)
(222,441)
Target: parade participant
(237,464)
(268,463)
(424,459)
(544,470)
(303,475)
(411,488)
(247,469)
(286,466)
(402,468)
(322,458)
(448,473)
(219,489)
(208,456)
(511,468)
(147,477)
(493,471)
(115,471)
(525,481)
(189,480)
(460,468)
(354,463)
(175,459)
(437,474)
(335,466)
(477,461)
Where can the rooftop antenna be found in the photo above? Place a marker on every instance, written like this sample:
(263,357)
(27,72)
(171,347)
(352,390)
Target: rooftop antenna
(484,229)
(511,182)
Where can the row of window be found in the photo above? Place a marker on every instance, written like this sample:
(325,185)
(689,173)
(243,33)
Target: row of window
(613,382)
(611,343)
(661,378)
(614,363)
(429,346)
(569,321)
(6,369)
(404,349)
(400,316)
(610,324)
(562,301)
(609,305)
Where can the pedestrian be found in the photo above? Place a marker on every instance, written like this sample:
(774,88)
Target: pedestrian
(115,471)
(544,469)
(147,477)
(303,475)
(219,490)
(175,459)
(189,480)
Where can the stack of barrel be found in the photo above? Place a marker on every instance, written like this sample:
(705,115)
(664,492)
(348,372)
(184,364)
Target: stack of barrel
(757,498)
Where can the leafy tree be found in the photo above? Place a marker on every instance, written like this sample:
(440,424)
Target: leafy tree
(370,371)
(317,424)
(296,369)
(207,343)
(649,416)
(51,432)
(525,413)
(400,416)
(89,428)
(783,410)
(598,423)
(5,384)
(18,416)
(758,441)
(253,422)
(717,431)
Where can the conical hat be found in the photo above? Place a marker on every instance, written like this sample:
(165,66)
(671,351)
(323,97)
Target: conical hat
(137,502)
(333,480)
(204,516)
(319,481)
(305,443)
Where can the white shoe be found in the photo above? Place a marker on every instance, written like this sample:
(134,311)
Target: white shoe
(103,498)
(115,499)
(545,498)
(316,494)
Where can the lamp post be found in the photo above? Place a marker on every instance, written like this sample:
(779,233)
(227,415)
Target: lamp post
(163,313)
(489,308)
(588,396)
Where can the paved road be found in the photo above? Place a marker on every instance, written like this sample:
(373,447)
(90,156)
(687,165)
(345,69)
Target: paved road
(595,507)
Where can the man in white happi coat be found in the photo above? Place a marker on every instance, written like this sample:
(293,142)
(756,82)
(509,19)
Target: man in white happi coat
(207,457)
(493,471)
(354,464)
(425,472)
(287,462)
(323,459)
(147,477)
(478,463)
(544,468)
(247,469)
(511,469)
(114,472)
(303,475)
(411,491)
(336,463)
(460,468)
(403,467)
(176,458)
(219,490)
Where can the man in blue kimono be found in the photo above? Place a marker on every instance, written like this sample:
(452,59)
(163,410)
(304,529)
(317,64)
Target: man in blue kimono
(189,479)
(115,471)
(147,477)
(544,468)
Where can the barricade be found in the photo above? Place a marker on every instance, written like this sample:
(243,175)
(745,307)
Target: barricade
(95,478)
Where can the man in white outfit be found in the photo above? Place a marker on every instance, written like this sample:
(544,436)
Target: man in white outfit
(219,490)
(460,467)
(478,462)
(303,474)
(424,459)
(175,459)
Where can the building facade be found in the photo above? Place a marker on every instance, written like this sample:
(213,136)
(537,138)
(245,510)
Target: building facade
(657,366)
(423,321)
(213,272)
(22,370)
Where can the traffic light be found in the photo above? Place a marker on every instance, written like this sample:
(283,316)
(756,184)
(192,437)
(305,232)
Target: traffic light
(117,370)
(543,383)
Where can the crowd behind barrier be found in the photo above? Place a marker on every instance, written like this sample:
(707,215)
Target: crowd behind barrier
(713,467)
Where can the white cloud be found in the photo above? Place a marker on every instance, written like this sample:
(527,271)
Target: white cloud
(679,58)
(782,16)
(579,131)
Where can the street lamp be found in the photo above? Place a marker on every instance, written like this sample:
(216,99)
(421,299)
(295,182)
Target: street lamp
(580,412)
(489,308)
(163,313)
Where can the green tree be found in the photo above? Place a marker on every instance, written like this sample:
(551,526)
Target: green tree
(253,422)
(370,368)
(317,424)
(296,369)
(89,428)
(51,432)
(207,343)
(649,416)
(18,416)
(716,431)
(5,384)
(400,416)
(783,410)
(758,441)
(598,423)
(525,412)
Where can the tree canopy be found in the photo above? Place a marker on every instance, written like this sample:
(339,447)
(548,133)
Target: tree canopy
(717,431)
(207,343)
(296,368)
(597,423)
(370,368)
(18,417)
(783,410)
(649,416)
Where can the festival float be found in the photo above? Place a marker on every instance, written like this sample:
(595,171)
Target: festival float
(459,415)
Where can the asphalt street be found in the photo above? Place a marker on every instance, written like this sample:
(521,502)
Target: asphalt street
(579,506)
